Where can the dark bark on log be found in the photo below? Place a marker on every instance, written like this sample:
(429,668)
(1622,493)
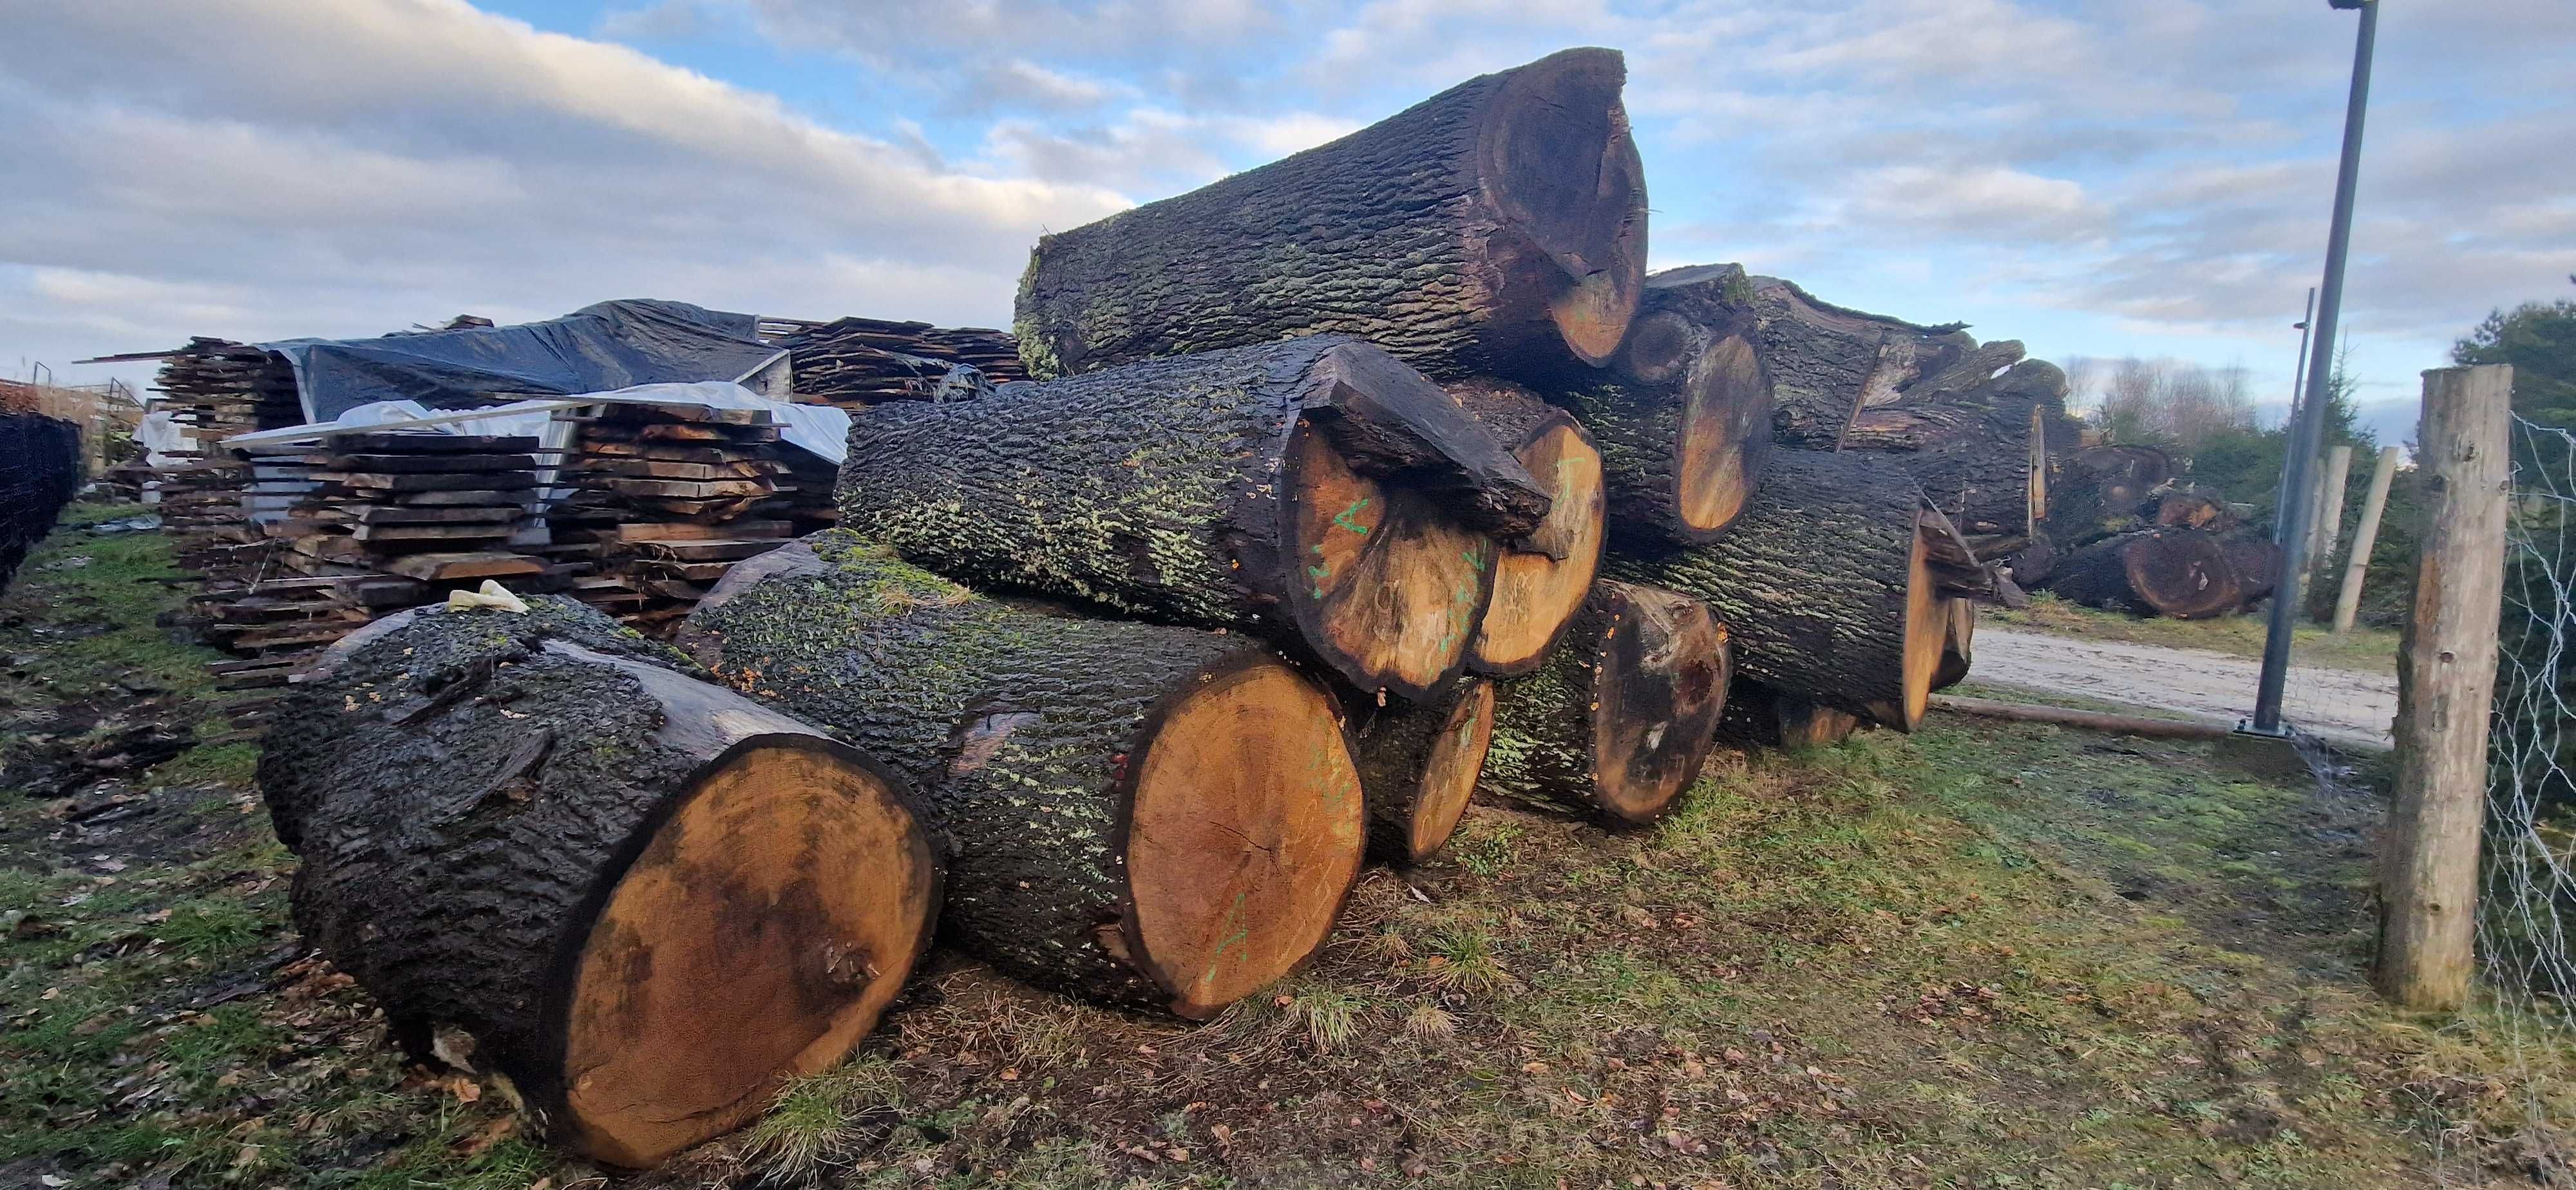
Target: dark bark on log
(1541,578)
(1498,228)
(2181,573)
(1758,716)
(1682,412)
(1957,645)
(502,818)
(1419,763)
(1981,453)
(1824,584)
(1617,723)
(1317,493)
(2194,510)
(1826,362)
(2257,563)
(2034,562)
(1044,748)
(2101,489)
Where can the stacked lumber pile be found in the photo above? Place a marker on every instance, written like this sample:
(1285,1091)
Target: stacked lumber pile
(665,498)
(1345,488)
(861,361)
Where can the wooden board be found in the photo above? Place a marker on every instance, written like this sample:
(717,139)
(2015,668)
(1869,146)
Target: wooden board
(440,568)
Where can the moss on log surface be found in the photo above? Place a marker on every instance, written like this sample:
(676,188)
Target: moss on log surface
(493,811)
(1496,228)
(1033,737)
(1617,723)
(1316,492)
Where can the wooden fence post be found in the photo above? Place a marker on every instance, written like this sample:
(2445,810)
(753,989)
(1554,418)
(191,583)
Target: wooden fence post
(2348,600)
(2446,674)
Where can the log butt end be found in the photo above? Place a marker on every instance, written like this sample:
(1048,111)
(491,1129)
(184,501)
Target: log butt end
(1556,159)
(1247,830)
(1450,772)
(759,931)
(1657,700)
(1385,586)
(1541,581)
(1725,437)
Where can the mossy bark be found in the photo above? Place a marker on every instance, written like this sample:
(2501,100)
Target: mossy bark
(1167,489)
(1017,728)
(1813,581)
(465,789)
(1464,234)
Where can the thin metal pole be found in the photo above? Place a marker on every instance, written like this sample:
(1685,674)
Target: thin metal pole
(2298,369)
(2285,600)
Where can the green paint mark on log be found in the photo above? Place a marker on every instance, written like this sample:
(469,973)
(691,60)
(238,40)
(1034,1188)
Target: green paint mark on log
(1233,940)
(1343,518)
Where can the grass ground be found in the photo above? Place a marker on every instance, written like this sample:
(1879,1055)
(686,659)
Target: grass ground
(1981,955)
(2371,649)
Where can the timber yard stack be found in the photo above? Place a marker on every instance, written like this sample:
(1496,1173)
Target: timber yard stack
(856,362)
(1341,489)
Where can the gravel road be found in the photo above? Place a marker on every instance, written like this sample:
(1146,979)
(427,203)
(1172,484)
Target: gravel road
(2341,705)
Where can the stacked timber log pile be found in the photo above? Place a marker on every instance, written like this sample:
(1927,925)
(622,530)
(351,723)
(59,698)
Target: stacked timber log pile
(666,498)
(39,469)
(861,361)
(1347,487)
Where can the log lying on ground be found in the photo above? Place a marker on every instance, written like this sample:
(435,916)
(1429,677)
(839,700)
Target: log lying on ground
(1317,492)
(1139,814)
(2102,489)
(1498,228)
(2194,510)
(1419,763)
(1825,583)
(2257,564)
(1981,453)
(1683,412)
(1758,716)
(2181,573)
(1540,579)
(644,897)
(1617,723)
(1956,645)
(1827,362)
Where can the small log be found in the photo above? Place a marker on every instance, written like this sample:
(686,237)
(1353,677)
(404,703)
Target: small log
(1317,493)
(1826,584)
(1758,716)
(1419,763)
(1498,228)
(2257,564)
(2180,573)
(1683,412)
(1140,814)
(1617,723)
(1956,645)
(2194,510)
(2034,561)
(644,897)
(1542,578)
(2103,487)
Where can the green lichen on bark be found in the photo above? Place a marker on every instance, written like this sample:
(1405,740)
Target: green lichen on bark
(1017,729)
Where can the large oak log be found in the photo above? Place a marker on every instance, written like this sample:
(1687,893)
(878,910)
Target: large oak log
(2257,563)
(1980,452)
(1498,228)
(1827,362)
(2101,491)
(1139,814)
(1540,579)
(1826,584)
(645,898)
(1419,763)
(1317,492)
(1617,723)
(1758,716)
(2181,573)
(1682,413)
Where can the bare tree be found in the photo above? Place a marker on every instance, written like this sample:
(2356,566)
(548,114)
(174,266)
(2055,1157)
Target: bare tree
(2170,403)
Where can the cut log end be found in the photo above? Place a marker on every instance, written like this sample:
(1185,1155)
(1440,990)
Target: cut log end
(1450,771)
(1657,700)
(1390,588)
(1540,581)
(1957,645)
(1725,432)
(758,934)
(1557,160)
(1246,833)
(1927,631)
(2038,470)
(2183,574)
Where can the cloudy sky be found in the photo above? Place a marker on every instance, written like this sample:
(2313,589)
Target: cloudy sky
(2095,177)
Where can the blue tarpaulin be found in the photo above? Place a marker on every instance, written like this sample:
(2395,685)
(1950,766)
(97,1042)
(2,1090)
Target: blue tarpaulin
(611,345)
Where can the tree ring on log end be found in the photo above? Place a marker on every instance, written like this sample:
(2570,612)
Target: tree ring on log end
(1556,159)
(1246,831)
(1386,586)
(2182,573)
(757,933)
(1927,631)
(1450,772)
(1657,698)
(1725,433)
(1538,585)
(2038,470)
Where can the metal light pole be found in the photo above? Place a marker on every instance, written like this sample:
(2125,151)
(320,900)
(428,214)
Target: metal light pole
(2311,424)
(2281,500)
